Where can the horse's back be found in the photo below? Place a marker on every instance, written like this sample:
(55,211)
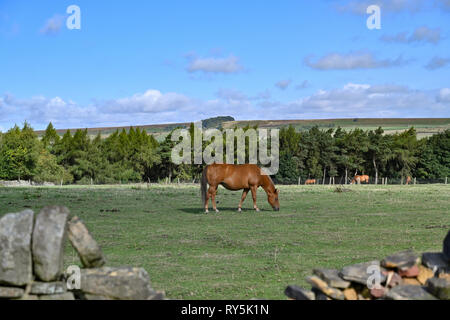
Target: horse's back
(233,176)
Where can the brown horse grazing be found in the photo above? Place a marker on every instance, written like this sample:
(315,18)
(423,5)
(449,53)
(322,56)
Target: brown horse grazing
(237,177)
(408,180)
(360,179)
(310,181)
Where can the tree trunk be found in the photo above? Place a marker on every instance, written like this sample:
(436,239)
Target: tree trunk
(376,170)
(346,175)
(324,175)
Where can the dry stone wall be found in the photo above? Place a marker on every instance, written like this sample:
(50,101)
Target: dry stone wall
(31,261)
(401,276)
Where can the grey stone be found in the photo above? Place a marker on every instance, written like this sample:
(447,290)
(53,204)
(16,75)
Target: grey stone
(124,283)
(358,272)
(318,283)
(435,261)
(401,260)
(29,297)
(89,251)
(160,295)
(319,294)
(15,248)
(48,288)
(11,292)
(96,297)
(446,247)
(440,287)
(61,296)
(297,293)
(48,242)
(409,292)
(332,278)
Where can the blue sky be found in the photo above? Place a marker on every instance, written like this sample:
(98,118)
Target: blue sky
(143,62)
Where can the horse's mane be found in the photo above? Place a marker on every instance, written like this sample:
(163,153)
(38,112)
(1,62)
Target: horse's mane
(266,176)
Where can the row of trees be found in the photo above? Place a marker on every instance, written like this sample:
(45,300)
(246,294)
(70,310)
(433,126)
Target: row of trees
(133,155)
(338,153)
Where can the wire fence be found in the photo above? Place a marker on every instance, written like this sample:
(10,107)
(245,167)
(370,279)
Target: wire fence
(301,181)
(380,181)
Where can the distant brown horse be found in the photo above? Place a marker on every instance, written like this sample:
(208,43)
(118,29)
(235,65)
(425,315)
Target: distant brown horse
(360,179)
(310,181)
(408,180)
(237,177)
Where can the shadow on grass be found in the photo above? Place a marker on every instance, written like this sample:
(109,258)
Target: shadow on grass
(221,210)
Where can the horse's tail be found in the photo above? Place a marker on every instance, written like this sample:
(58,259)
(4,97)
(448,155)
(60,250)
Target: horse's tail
(203,184)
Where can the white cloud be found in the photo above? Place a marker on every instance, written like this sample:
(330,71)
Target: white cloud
(437,63)
(214,65)
(444,95)
(420,35)
(283,84)
(363,100)
(353,60)
(303,85)
(151,101)
(153,106)
(444,4)
(53,25)
(230,94)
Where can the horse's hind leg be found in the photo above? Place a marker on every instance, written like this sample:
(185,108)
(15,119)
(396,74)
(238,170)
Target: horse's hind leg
(213,191)
(244,195)
(254,190)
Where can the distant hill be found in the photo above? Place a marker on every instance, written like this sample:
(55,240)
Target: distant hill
(424,126)
(158,130)
(216,122)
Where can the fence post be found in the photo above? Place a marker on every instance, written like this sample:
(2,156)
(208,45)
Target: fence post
(386,180)
(414,180)
(446,180)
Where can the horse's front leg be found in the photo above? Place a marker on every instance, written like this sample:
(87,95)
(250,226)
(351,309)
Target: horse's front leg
(244,195)
(208,195)
(254,190)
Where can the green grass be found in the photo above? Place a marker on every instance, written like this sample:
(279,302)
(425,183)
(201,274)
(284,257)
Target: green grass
(230,255)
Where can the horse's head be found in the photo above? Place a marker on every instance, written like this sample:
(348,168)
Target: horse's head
(272,197)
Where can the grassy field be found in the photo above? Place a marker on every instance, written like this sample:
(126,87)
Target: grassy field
(245,255)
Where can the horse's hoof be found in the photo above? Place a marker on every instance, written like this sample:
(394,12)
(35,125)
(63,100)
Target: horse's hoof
(239,210)
(206,211)
(217,211)
(257,209)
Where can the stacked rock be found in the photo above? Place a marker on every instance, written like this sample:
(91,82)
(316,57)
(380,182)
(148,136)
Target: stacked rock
(401,276)
(31,261)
